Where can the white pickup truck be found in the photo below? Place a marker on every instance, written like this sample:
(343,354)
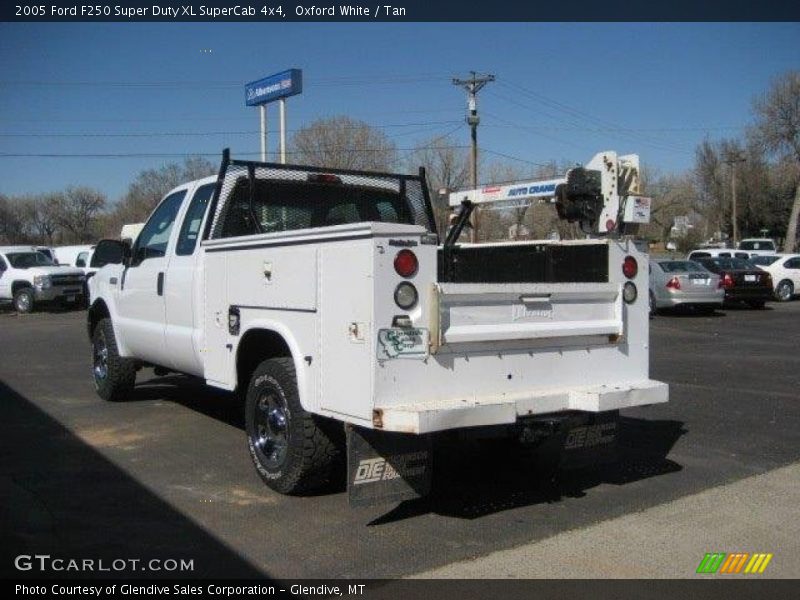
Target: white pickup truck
(29,278)
(324,298)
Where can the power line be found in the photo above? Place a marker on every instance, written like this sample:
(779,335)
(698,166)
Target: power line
(613,129)
(516,158)
(321,82)
(203,133)
(584,117)
(51,119)
(204,154)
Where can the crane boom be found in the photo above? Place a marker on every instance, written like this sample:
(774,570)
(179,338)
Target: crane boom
(602,196)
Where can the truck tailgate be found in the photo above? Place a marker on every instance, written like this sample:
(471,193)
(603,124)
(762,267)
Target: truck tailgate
(476,312)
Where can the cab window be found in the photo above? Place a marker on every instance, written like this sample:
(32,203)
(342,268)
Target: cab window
(190,230)
(152,241)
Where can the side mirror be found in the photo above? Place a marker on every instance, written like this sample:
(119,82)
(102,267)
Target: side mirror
(110,252)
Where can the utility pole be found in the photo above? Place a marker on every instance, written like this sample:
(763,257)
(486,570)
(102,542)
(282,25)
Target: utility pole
(473,85)
(733,159)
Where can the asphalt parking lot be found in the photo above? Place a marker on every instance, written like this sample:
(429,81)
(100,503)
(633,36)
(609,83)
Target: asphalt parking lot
(168,474)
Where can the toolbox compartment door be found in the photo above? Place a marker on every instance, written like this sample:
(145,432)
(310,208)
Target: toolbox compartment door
(469,313)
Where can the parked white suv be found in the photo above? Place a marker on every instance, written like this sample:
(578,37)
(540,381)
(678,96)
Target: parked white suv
(28,277)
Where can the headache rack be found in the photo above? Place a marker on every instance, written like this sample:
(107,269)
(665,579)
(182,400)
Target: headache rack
(258,197)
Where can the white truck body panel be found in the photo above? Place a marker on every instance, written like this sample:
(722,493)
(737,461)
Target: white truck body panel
(477,354)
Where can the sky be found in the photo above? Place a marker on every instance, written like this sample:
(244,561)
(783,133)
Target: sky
(562,92)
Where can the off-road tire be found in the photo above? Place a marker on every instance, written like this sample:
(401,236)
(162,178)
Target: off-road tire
(24,300)
(312,447)
(120,373)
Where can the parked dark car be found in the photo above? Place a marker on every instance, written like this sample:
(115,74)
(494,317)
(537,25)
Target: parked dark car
(742,280)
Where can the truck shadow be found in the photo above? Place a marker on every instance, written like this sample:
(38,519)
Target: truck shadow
(478,479)
(471,479)
(193,394)
(63,498)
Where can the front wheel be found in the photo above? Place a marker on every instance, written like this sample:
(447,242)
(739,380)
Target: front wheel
(23,300)
(784,291)
(114,376)
(293,451)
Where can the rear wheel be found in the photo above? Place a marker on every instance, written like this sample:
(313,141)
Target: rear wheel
(784,291)
(24,300)
(114,376)
(293,451)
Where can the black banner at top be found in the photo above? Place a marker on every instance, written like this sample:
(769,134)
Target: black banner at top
(276,11)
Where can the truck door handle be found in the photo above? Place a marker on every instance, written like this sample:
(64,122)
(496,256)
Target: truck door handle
(160,284)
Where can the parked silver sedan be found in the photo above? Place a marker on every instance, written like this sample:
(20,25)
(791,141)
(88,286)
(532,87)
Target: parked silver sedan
(676,283)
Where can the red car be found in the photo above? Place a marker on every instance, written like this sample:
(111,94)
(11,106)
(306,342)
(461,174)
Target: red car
(741,279)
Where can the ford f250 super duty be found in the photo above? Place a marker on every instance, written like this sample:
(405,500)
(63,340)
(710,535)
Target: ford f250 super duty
(324,298)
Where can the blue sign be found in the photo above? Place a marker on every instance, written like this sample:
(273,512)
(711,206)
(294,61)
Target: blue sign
(281,85)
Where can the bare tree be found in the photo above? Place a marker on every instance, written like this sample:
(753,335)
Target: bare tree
(674,195)
(10,223)
(39,218)
(149,187)
(777,128)
(506,221)
(77,210)
(345,143)
(446,168)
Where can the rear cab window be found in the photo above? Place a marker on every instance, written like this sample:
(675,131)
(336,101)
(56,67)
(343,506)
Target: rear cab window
(288,205)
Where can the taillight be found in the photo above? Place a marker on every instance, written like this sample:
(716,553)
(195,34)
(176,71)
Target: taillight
(726,281)
(405,263)
(630,267)
(674,284)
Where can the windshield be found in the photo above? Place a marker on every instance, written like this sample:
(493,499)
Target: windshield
(733,264)
(681,266)
(26,260)
(763,260)
(757,245)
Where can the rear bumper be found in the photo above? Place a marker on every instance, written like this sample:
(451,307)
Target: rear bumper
(745,295)
(691,299)
(456,414)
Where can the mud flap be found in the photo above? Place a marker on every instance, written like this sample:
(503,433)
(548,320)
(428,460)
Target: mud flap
(590,440)
(384,467)
(577,440)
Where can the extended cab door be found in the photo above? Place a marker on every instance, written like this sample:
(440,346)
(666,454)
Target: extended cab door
(140,304)
(183,304)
